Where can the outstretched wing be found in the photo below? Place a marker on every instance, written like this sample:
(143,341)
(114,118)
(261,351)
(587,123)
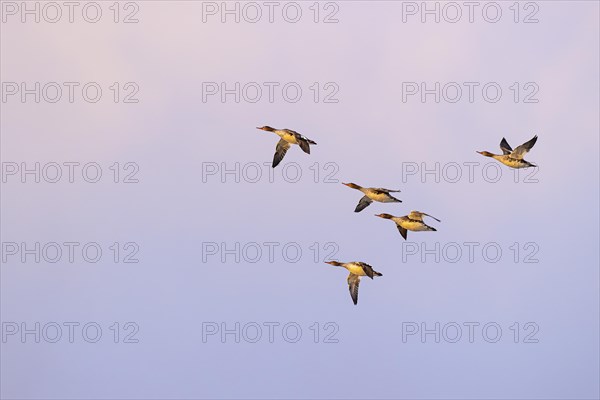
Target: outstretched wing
(521,150)
(431,216)
(280,150)
(402,231)
(367,268)
(353,282)
(363,203)
(388,198)
(505,147)
(384,190)
(303,143)
(416,215)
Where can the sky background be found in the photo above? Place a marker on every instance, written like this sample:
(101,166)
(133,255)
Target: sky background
(369,136)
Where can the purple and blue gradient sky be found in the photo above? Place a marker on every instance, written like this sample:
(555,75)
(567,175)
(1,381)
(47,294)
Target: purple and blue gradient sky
(368,134)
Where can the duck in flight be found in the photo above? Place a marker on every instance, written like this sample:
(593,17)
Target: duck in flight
(411,222)
(288,137)
(510,157)
(357,269)
(373,194)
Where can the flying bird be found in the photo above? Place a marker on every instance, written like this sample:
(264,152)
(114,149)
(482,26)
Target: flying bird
(288,137)
(411,222)
(373,194)
(510,157)
(357,269)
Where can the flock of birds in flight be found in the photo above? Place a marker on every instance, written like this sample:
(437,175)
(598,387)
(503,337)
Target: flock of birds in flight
(411,222)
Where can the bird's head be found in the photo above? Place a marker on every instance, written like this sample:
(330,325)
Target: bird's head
(351,185)
(386,216)
(334,263)
(485,153)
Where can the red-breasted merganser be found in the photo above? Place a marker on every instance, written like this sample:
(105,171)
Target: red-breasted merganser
(357,269)
(510,157)
(378,194)
(288,137)
(411,222)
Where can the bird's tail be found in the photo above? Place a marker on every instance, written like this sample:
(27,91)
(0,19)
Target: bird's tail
(311,141)
(375,273)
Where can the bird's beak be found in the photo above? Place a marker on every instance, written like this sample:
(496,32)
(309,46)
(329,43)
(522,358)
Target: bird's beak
(329,262)
(378,215)
(259,128)
(347,184)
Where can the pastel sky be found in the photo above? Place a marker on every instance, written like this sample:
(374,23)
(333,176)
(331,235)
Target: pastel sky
(177,132)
